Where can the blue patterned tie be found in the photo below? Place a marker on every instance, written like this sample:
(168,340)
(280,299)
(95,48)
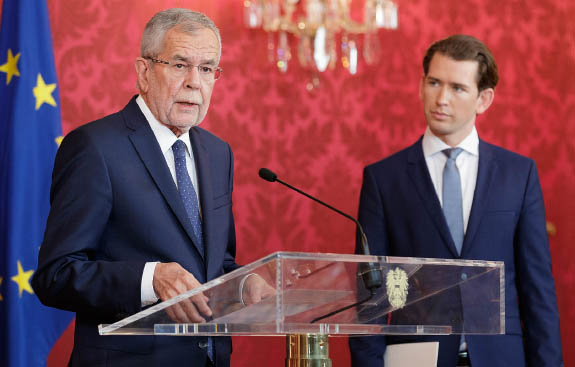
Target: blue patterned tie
(190,200)
(187,192)
(452,198)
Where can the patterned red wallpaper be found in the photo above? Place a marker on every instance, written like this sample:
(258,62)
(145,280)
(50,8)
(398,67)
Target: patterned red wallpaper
(321,140)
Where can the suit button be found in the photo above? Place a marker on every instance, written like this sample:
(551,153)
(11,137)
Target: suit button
(203,344)
(463,276)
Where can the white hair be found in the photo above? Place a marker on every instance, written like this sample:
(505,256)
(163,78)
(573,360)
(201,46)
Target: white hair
(188,21)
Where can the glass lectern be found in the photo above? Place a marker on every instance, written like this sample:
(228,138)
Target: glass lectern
(321,295)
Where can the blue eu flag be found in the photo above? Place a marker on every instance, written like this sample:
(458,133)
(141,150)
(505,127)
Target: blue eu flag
(29,135)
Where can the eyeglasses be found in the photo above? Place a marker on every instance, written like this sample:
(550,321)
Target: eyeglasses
(180,68)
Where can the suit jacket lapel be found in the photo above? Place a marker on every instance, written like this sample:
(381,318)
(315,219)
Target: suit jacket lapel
(485,176)
(419,174)
(148,149)
(202,160)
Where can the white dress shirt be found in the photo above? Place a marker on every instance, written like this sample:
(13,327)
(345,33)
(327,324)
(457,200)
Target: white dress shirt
(467,163)
(166,138)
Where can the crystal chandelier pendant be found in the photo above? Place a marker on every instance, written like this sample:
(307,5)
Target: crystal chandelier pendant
(381,14)
(271,47)
(391,20)
(349,54)
(345,51)
(305,53)
(315,12)
(332,50)
(320,49)
(253,13)
(352,57)
(283,52)
(271,15)
(371,48)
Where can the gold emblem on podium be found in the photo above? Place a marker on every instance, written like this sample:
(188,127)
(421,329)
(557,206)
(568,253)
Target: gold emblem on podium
(396,283)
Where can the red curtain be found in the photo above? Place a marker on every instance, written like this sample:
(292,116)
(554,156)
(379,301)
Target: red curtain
(321,140)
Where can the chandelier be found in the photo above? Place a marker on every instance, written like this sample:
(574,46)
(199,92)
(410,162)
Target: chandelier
(319,25)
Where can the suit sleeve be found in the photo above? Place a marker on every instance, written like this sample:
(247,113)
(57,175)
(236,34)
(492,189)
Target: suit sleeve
(72,273)
(368,351)
(537,299)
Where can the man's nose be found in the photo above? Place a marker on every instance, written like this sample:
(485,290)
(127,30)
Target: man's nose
(443,96)
(193,78)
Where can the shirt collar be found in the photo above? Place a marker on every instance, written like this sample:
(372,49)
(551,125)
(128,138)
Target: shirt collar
(431,144)
(165,137)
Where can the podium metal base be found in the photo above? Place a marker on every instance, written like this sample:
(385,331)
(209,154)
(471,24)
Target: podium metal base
(307,350)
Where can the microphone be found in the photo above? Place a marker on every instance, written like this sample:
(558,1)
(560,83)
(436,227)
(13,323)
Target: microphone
(268,175)
(371,275)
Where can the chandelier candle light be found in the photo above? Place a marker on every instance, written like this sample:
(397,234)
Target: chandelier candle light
(317,24)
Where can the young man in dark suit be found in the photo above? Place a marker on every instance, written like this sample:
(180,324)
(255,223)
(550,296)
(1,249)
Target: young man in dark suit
(452,195)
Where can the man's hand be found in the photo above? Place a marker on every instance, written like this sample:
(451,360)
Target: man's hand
(255,289)
(170,280)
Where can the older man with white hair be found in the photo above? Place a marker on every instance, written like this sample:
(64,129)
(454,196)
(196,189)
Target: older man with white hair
(141,206)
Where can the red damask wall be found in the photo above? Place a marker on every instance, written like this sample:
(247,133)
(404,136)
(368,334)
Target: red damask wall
(321,140)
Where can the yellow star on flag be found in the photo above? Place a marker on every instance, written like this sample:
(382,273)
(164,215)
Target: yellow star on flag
(11,66)
(58,140)
(43,92)
(23,280)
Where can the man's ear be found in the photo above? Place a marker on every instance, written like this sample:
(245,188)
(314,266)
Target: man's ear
(484,100)
(421,86)
(142,72)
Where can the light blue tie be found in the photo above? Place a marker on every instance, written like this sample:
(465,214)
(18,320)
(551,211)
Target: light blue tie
(452,198)
(190,200)
(187,192)
(453,207)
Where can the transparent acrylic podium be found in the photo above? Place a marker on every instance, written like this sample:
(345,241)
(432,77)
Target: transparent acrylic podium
(418,297)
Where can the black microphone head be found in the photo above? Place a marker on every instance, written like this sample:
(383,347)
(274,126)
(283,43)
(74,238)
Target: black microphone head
(268,175)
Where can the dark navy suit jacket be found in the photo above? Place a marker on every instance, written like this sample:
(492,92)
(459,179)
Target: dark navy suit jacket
(402,216)
(114,207)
